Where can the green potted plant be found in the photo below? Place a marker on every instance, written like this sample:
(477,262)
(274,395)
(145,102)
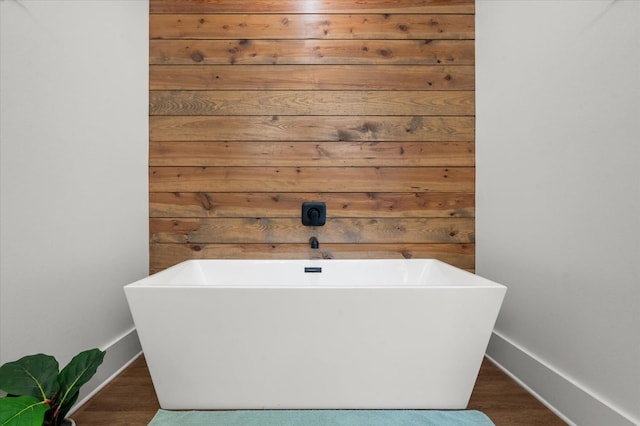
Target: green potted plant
(38,394)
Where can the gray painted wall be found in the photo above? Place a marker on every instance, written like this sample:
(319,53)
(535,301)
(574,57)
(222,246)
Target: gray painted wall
(558,198)
(73,211)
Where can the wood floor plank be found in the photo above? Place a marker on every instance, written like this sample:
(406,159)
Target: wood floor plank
(506,402)
(131,400)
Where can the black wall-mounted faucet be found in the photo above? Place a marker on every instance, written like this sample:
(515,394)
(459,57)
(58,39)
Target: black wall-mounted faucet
(313,241)
(314,213)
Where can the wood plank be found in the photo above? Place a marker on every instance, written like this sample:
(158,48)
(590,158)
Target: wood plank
(290,230)
(292,102)
(128,400)
(311,52)
(311,179)
(507,403)
(311,77)
(349,204)
(311,6)
(312,27)
(165,255)
(309,128)
(320,154)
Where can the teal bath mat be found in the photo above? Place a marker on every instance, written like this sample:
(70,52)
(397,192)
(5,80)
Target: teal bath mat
(321,418)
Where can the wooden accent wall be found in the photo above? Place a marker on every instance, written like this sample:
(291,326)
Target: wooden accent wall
(257,106)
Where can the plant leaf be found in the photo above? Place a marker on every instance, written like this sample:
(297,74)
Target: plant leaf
(33,375)
(78,372)
(22,411)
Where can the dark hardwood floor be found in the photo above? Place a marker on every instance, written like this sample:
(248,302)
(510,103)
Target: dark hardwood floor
(130,400)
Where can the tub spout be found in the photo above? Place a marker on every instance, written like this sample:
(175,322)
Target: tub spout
(313,241)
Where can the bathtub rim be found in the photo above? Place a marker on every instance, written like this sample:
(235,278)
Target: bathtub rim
(157,280)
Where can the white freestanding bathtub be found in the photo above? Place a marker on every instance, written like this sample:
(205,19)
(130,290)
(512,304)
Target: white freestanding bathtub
(288,334)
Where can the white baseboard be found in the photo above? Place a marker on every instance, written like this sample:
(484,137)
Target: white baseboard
(571,402)
(120,354)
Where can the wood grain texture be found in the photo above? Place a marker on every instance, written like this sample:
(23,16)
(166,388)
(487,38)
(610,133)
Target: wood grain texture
(258,106)
(312,103)
(311,77)
(290,230)
(311,179)
(311,6)
(316,154)
(311,52)
(129,400)
(309,128)
(254,27)
(166,255)
(339,204)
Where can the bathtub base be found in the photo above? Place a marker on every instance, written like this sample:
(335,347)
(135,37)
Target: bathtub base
(310,349)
